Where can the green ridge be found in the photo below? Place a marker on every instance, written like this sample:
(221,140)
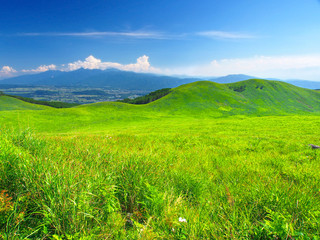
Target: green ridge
(278,97)
(10,103)
(253,97)
(202,99)
(250,97)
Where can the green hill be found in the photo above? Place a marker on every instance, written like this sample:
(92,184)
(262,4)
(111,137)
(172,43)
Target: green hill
(200,100)
(10,103)
(250,97)
(202,97)
(277,97)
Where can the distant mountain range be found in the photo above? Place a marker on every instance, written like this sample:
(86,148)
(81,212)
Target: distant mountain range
(231,78)
(305,84)
(117,79)
(111,78)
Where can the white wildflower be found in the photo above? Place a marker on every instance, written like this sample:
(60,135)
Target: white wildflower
(182,219)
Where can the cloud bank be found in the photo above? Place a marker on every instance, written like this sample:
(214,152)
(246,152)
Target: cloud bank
(42,68)
(142,65)
(282,67)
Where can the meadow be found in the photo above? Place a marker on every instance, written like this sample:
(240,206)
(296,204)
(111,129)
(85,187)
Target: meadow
(171,169)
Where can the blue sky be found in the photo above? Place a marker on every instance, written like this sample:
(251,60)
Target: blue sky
(273,38)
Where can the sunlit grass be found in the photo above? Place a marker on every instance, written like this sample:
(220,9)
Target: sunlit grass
(207,161)
(228,178)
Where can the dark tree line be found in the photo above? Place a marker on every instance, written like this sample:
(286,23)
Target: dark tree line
(46,103)
(149,97)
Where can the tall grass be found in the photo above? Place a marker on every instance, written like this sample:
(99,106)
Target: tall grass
(253,178)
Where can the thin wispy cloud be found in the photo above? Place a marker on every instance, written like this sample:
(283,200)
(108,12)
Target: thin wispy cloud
(218,35)
(225,35)
(135,34)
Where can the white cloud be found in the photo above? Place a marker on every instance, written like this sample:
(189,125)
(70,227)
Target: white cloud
(91,63)
(284,67)
(142,65)
(224,35)
(7,71)
(42,68)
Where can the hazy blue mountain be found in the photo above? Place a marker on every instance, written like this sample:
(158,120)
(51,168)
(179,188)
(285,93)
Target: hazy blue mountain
(304,84)
(30,79)
(111,78)
(231,78)
(241,77)
(117,79)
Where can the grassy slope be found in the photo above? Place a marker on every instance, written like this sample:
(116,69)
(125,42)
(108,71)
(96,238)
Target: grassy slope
(203,97)
(196,100)
(245,178)
(9,103)
(237,177)
(259,97)
(274,97)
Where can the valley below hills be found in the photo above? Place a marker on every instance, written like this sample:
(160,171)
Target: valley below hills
(84,86)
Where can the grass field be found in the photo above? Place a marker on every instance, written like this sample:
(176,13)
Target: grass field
(195,164)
